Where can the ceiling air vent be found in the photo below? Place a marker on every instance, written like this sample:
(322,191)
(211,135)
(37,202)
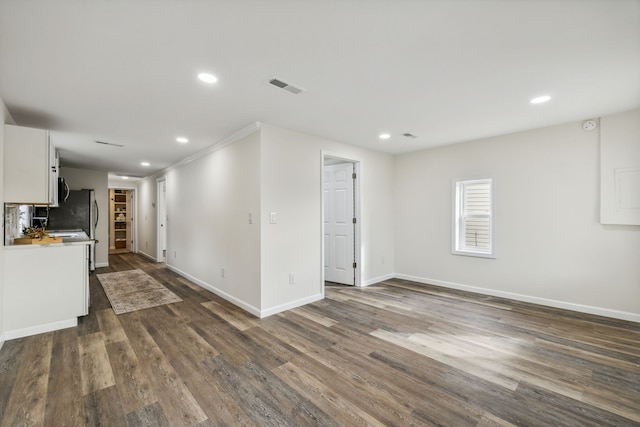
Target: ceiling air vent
(286,86)
(409,135)
(109,143)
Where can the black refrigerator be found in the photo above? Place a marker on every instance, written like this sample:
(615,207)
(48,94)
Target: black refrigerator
(79,211)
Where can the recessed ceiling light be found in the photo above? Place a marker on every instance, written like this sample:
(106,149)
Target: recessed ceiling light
(182,140)
(207,78)
(540,99)
(144,163)
(125,177)
(384,136)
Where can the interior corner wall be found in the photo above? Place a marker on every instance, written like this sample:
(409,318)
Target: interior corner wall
(147,217)
(79,179)
(620,169)
(291,186)
(209,201)
(3,120)
(551,246)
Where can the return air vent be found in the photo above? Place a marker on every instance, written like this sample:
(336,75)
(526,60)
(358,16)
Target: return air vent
(286,86)
(109,143)
(409,135)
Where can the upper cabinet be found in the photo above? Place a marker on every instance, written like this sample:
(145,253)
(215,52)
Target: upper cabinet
(30,166)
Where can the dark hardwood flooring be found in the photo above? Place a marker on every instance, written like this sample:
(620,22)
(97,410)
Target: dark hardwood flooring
(393,354)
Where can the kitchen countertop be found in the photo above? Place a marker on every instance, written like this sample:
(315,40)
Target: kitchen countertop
(69,237)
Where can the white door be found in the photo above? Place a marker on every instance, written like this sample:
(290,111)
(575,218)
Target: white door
(162,221)
(338,224)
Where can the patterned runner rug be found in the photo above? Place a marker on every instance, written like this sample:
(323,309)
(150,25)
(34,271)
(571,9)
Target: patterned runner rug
(134,290)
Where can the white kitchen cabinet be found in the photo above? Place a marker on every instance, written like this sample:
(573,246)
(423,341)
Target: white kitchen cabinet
(30,171)
(46,287)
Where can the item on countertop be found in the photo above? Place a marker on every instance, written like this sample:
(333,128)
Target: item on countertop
(35,232)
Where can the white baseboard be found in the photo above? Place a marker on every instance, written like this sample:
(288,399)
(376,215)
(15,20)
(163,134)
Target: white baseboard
(378,279)
(1,341)
(40,329)
(598,311)
(102,264)
(245,306)
(144,254)
(290,305)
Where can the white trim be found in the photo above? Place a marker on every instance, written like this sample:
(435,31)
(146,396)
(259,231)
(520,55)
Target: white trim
(246,131)
(148,256)
(245,306)
(159,182)
(290,305)
(378,279)
(1,341)
(40,329)
(102,264)
(357,166)
(455,217)
(598,311)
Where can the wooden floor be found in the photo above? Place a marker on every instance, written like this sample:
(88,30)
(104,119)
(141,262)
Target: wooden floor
(393,354)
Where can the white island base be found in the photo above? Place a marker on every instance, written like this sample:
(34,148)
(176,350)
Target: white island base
(46,287)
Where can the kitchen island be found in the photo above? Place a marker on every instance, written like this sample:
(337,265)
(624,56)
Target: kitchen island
(46,287)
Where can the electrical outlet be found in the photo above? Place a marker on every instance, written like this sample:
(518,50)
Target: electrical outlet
(250,218)
(292,278)
(222,272)
(272,218)
(175,254)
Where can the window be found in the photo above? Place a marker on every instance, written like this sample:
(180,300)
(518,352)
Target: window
(474,225)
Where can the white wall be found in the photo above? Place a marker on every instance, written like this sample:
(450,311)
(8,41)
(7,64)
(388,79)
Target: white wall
(5,118)
(620,169)
(272,170)
(2,121)
(551,247)
(208,203)
(291,183)
(79,179)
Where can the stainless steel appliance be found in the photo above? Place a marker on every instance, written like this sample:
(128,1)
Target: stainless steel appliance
(78,212)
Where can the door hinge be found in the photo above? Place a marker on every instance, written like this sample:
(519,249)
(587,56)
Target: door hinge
(355,220)
(353,176)
(355,265)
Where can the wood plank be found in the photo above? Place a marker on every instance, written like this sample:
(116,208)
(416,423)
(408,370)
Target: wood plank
(94,363)
(151,415)
(64,397)
(221,407)
(238,318)
(10,358)
(26,405)
(132,384)
(103,408)
(110,326)
(343,410)
(179,405)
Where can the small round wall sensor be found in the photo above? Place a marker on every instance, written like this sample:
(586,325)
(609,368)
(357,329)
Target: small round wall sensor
(589,125)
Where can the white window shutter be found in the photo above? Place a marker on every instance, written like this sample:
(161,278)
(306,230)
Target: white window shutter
(474,219)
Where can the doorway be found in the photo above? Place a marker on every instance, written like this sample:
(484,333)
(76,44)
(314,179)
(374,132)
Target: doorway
(121,232)
(161,255)
(340,224)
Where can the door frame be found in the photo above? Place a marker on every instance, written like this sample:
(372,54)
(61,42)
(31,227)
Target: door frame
(133,215)
(159,182)
(328,155)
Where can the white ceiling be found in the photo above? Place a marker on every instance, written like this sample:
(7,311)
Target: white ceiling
(447,71)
